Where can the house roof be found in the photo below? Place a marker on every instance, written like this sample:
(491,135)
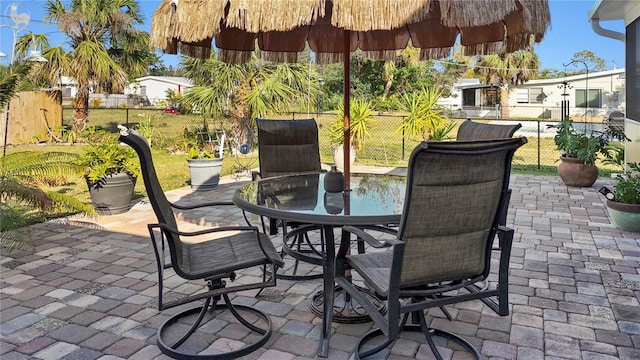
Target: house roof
(614,10)
(592,75)
(175,80)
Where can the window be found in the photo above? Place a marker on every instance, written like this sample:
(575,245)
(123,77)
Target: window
(595,98)
(530,96)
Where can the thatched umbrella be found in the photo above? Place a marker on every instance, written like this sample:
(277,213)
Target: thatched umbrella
(335,28)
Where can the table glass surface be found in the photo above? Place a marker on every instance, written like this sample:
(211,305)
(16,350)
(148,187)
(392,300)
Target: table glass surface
(297,197)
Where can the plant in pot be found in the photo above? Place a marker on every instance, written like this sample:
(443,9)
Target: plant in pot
(580,150)
(111,171)
(203,159)
(360,123)
(623,203)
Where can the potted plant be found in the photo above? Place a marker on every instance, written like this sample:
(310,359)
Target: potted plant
(580,150)
(360,122)
(623,203)
(111,171)
(204,158)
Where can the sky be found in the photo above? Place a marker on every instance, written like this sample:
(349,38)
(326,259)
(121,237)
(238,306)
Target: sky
(570,32)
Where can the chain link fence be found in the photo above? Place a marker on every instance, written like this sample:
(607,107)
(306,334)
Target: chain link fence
(386,145)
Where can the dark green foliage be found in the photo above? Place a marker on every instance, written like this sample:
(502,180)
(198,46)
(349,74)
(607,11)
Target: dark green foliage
(583,146)
(26,196)
(109,158)
(627,190)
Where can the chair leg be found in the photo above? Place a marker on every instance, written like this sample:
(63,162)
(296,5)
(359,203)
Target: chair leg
(298,246)
(429,333)
(173,349)
(422,327)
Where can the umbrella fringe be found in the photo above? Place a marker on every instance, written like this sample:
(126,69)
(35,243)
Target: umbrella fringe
(517,42)
(280,57)
(465,13)
(484,48)
(377,14)
(434,53)
(384,55)
(235,56)
(200,52)
(328,58)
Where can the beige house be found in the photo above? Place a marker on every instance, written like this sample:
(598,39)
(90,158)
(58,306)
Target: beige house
(590,96)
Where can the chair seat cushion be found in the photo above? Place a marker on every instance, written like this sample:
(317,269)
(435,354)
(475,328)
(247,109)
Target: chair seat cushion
(227,254)
(375,268)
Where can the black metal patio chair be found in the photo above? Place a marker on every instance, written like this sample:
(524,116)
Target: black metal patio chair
(290,147)
(214,255)
(473,131)
(443,249)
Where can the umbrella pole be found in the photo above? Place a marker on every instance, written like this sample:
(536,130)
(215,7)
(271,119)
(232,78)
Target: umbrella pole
(347,109)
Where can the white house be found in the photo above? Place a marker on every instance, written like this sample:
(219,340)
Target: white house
(155,88)
(543,98)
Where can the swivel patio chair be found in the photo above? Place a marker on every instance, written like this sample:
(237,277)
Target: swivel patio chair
(472,131)
(214,255)
(442,252)
(289,147)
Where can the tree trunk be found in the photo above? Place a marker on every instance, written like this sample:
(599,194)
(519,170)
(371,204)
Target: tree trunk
(387,88)
(82,99)
(504,102)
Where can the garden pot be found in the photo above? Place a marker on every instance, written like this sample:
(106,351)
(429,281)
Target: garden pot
(574,172)
(625,216)
(205,173)
(338,156)
(112,194)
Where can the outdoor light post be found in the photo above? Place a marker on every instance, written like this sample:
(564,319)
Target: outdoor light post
(586,85)
(564,105)
(20,23)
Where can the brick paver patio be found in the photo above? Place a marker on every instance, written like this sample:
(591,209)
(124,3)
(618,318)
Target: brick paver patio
(88,290)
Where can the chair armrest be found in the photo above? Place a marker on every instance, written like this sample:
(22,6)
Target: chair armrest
(369,239)
(202,232)
(197,206)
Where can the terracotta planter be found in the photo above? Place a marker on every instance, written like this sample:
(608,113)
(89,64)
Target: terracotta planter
(574,172)
(112,194)
(205,173)
(625,216)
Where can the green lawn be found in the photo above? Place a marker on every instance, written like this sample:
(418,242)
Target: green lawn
(384,147)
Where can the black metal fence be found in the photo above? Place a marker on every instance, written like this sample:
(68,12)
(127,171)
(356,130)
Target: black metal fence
(386,144)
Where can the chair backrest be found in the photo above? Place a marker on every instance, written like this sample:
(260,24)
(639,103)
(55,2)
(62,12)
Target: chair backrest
(471,131)
(288,147)
(454,194)
(161,206)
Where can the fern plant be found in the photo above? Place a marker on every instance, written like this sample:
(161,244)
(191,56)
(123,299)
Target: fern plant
(583,146)
(26,194)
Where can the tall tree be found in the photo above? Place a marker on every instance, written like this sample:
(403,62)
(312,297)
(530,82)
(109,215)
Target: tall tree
(105,46)
(243,93)
(594,62)
(505,70)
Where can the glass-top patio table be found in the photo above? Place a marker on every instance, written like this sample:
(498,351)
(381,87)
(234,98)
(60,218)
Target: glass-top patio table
(372,200)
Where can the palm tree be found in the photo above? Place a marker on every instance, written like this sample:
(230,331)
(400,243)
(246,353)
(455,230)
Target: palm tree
(505,70)
(25,176)
(243,93)
(105,45)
